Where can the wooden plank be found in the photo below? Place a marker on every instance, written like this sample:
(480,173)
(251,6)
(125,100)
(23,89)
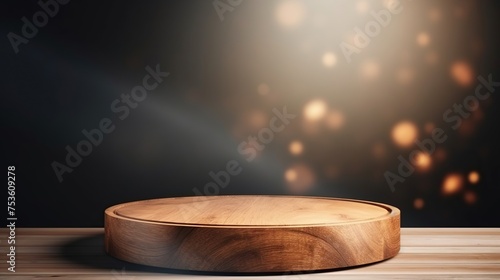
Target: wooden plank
(450,250)
(425,254)
(449,231)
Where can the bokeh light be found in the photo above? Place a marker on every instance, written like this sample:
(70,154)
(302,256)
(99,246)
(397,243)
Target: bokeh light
(470,197)
(423,39)
(290,13)
(299,178)
(334,120)
(423,161)
(370,70)
(290,175)
(315,110)
(452,184)
(473,177)
(362,7)
(256,119)
(434,14)
(329,59)
(467,128)
(296,147)
(418,203)
(404,133)
(462,73)
(429,127)
(378,150)
(440,154)
(390,3)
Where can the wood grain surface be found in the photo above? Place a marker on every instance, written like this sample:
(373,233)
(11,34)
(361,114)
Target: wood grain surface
(426,253)
(252,210)
(252,234)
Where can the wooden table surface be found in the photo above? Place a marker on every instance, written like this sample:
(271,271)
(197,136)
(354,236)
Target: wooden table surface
(426,253)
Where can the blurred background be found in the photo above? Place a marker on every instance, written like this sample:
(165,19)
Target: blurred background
(231,63)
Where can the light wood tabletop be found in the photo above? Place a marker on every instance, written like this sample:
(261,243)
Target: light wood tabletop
(426,253)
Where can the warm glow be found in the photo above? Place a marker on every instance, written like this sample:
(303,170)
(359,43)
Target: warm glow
(334,120)
(362,7)
(404,133)
(315,110)
(290,175)
(423,160)
(462,73)
(470,197)
(474,177)
(263,89)
(390,3)
(467,128)
(423,39)
(290,13)
(452,184)
(435,14)
(299,178)
(329,60)
(440,154)
(429,127)
(257,119)
(378,151)
(296,148)
(418,203)
(370,70)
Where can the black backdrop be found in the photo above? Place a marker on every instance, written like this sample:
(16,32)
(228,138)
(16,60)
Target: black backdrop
(65,78)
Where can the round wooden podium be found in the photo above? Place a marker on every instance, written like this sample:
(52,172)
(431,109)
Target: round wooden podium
(254,234)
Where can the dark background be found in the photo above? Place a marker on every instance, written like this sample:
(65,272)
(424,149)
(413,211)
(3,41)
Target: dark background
(65,78)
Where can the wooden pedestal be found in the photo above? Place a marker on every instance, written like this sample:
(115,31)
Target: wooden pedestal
(255,234)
